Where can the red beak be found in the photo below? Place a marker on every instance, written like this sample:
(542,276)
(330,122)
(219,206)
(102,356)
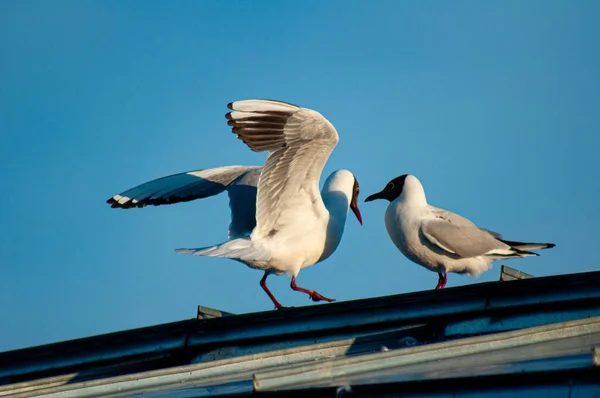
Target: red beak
(356,212)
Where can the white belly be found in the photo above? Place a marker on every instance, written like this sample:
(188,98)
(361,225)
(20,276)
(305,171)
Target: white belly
(404,230)
(296,248)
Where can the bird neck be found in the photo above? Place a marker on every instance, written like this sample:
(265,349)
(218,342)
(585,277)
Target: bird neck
(413,193)
(337,204)
(337,195)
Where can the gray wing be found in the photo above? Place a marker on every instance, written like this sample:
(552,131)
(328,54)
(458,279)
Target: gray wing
(184,187)
(242,202)
(462,240)
(299,142)
(457,219)
(494,234)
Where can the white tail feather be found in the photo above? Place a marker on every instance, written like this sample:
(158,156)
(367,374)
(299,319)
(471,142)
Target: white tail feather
(240,249)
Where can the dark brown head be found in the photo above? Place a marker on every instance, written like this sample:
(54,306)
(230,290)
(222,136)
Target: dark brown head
(392,190)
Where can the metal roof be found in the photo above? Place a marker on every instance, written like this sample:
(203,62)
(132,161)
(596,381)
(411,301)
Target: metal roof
(445,342)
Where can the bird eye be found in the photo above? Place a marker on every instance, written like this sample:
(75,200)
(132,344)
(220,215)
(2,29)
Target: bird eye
(390,186)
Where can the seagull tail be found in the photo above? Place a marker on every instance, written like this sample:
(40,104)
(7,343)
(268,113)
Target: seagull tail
(518,250)
(525,247)
(239,249)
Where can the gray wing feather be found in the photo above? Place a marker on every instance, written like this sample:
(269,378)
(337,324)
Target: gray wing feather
(242,202)
(459,220)
(239,181)
(462,240)
(181,187)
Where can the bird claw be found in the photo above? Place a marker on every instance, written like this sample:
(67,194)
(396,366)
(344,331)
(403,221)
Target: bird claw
(441,281)
(314,296)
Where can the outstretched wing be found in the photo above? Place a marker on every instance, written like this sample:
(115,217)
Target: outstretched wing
(462,240)
(242,202)
(240,182)
(299,142)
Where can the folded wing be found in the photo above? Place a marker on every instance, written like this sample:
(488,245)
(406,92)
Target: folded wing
(457,219)
(462,240)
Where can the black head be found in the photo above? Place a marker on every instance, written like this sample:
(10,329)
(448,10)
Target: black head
(391,191)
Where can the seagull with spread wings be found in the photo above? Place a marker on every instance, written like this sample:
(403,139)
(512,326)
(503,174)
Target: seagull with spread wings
(280,221)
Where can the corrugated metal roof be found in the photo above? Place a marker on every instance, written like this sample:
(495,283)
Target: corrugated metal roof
(498,329)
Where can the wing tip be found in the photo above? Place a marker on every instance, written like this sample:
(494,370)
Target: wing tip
(124,202)
(527,245)
(258,105)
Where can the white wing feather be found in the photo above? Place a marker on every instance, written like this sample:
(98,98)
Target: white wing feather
(299,142)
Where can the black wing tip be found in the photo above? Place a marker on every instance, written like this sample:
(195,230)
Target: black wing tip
(228,114)
(153,202)
(114,204)
(513,243)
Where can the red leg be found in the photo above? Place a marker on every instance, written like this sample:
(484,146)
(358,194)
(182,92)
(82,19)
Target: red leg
(263,284)
(442,277)
(314,296)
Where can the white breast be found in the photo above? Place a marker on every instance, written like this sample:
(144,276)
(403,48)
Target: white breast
(402,224)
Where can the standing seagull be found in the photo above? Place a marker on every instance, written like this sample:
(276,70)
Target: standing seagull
(286,224)
(296,225)
(440,240)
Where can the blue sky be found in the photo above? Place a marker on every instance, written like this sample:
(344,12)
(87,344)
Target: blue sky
(493,105)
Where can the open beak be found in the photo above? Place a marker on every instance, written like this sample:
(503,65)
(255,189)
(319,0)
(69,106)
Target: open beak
(375,196)
(356,212)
